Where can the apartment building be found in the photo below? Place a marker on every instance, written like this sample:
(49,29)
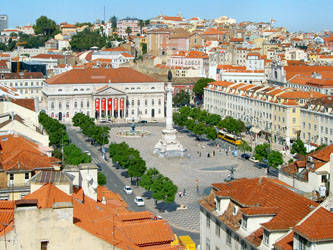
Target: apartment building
(132,23)
(28,84)
(274,111)
(250,214)
(20,160)
(190,59)
(68,210)
(316,119)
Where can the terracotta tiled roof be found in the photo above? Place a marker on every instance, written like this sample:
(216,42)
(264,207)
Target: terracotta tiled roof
(18,153)
(260,210)
(266,192)
(147,233)
(47,56)
(100,75)
(26,103)
(6,216)
(23,75)
(173,18)
(286,243)
(323,154)
(256,237)
(47,195)
(318,227)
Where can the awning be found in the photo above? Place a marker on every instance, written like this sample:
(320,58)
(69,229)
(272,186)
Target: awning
(255,130)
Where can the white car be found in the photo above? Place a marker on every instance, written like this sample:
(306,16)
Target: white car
(139,201)
(128,190)
(87,152)
(253,159)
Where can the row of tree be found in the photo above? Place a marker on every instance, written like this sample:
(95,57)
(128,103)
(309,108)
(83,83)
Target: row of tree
(98,134)
(201,122)
(162,187)
(263,152)
(59,140)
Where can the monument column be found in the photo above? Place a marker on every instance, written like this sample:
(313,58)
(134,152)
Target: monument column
(169,119)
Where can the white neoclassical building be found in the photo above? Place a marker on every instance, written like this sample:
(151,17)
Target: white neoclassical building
(104,94)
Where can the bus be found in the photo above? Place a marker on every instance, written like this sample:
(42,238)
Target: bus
(234,139)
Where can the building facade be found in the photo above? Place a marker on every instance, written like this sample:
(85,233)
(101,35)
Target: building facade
(132,23)
(3,22)
(274,111)
(104,94)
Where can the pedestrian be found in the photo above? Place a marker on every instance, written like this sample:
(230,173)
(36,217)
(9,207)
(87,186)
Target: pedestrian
(199,154)
(213,152)
(180,194)
(198,188)
(184,192)
(208,155)
(226,152)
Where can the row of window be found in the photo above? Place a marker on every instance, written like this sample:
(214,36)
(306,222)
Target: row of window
(68,104)
(146,102)
(146,111)
(25,84)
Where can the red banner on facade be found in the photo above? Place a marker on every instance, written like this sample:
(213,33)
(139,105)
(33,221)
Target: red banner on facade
(121,103)
(116,104)
(110,104)
(103,104)
(97,104)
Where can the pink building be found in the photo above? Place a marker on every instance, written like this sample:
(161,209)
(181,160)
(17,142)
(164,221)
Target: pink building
(123,24)
(190,59)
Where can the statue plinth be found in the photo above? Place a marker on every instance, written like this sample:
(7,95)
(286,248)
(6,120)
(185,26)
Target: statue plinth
(168,146)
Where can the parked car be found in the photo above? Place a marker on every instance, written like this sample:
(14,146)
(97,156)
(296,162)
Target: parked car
(142,121)
(139,201)
(245,156)
(272,171)
(99,167)
(253,159)
(261,165)
(87,152)
(128,190)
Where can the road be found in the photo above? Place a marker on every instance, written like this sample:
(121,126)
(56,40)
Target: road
(114,183)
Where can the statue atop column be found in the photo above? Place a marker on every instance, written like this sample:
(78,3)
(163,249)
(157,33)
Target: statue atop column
(168,146)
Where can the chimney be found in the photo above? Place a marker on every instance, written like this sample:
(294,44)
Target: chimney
(331,175)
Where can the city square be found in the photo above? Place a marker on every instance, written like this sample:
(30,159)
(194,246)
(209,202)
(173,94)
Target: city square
(194,170)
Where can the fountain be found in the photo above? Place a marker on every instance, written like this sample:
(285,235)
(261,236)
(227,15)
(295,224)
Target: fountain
(133,132)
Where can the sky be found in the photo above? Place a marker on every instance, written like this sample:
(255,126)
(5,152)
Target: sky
(295,15)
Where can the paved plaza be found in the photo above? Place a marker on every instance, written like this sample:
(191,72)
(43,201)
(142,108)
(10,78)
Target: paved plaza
(188,172)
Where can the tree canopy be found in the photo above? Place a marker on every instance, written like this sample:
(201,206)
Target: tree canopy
(46,27)
(200,85)
(261,151)
(101,179)
(86,39)
(244,147)
(182,98)
(298,147)
(275,159)
(232,125)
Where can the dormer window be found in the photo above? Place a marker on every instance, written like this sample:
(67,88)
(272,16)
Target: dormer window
(244,222)
(234,210)
(266,237)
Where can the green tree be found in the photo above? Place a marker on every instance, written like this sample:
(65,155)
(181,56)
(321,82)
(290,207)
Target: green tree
(137,168)
(185,110)
(147,22)
(128,31)
(232,125)
(74,155)
(190,124)
(148,178)
(211,133)
(199,129)
(275,159)
(298,147)
(163,190)
(86,39)
(113,21)
(144,48)
(261,151)
(200,85)
(244,147)
(182,98)
(141,24)
(101,179)
(46,27)
(213,119)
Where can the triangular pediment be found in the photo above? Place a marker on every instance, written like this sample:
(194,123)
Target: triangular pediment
(108,90)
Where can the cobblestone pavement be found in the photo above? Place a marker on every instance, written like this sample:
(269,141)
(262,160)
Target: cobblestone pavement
(185,171)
